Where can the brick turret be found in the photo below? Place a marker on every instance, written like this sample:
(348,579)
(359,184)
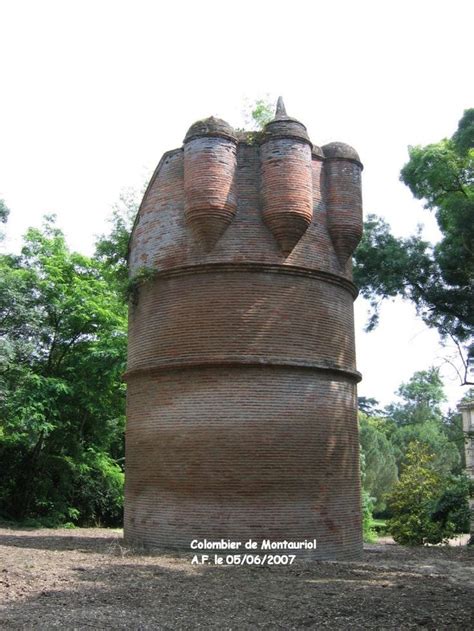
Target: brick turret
(344,198)
(287,192)
(210,162)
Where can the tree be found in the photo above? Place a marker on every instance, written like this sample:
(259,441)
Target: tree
(369,406)
(438,279)
(446,458)
(418,417)
(414,500)
(421,398)
(63,347)
(454,431)
(258,114)
(388,439)
(112,249)
(4,212)
(380,470)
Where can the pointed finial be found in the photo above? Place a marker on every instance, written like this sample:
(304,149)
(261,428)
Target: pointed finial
(280,109)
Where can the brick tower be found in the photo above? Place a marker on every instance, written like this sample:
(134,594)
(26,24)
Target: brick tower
(241,411)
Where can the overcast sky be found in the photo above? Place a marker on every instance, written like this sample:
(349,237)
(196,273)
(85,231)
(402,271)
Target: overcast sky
(93,93)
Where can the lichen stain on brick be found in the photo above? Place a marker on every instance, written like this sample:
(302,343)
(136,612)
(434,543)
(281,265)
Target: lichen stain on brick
(241,404)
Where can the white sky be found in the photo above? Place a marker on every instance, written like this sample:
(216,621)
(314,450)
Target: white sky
(93,93)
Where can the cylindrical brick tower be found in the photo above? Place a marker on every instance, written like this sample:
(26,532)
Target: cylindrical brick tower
(241,409)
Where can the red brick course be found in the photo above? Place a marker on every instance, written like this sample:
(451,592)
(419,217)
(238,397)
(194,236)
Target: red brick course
(287,192)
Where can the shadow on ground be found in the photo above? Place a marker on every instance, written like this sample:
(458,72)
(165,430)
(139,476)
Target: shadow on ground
(100,584)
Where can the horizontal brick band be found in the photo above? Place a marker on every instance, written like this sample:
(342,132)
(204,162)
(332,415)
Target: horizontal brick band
(233,360)
(215,315)
(266,268)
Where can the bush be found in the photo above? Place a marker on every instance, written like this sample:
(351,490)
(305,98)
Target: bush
(453,505)
(414,500)
(99,491)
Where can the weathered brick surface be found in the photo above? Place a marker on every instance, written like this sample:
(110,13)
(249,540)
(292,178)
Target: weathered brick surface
(343,198)
(287,191)
(162,239)
(243,451)
(239,313)
(209,185)
(241,409)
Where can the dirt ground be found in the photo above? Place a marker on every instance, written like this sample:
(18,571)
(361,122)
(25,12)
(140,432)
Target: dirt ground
(87,579)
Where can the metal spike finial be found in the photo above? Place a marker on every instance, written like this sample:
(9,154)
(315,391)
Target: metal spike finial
(280,109)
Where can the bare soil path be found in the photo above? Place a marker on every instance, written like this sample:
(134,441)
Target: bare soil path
(87,579)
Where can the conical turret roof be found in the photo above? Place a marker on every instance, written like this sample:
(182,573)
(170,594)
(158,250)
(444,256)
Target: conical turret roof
(284,126)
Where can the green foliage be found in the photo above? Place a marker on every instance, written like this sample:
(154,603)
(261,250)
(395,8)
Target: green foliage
(386,440)
(386,267)
(419,399)
(421,396)
(380,527)
(446,456)
(369,406)
(62,353)
(259,113)
(368,532)
(453,505)
(4,212)
(143,275)
(453,429)
(99,490)
(380,472)
(262,113)
(437,279)
(418,417)
(414,500)
(112,249)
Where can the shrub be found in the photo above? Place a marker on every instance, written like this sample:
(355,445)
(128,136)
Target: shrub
(414,500)
(453,505)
